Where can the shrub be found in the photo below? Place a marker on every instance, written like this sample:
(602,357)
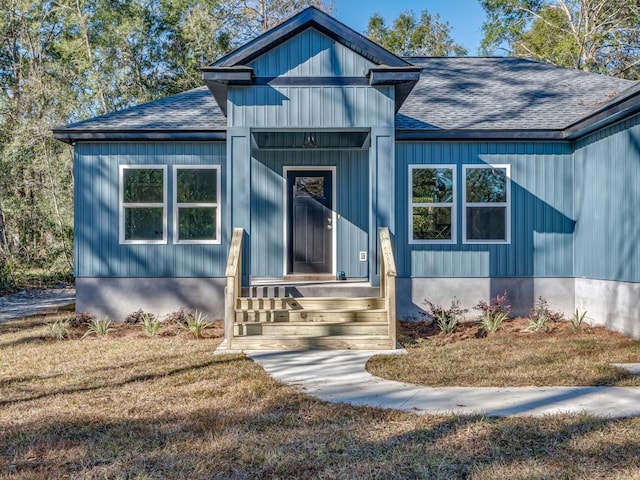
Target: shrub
(195,323)
(80,318)
(577,320)
(541,315)
(178,317)
(446,318)
(136,317)
(150,324)
(493,313)
(58,329)
(99,327)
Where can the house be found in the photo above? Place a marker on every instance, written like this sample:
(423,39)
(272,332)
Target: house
(329,156)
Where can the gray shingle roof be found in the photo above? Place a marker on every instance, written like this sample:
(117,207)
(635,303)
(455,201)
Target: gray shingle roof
(453,94)
(471,93)
(193,110)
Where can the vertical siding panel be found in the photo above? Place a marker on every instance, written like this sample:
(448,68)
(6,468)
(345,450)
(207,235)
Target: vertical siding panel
(540,209)
(608,223)
(100,254)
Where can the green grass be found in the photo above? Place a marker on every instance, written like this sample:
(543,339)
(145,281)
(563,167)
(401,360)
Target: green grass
(133,406)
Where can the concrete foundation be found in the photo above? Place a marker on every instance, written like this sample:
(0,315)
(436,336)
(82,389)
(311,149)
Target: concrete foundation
(614,304)
(522,293)
(118,297)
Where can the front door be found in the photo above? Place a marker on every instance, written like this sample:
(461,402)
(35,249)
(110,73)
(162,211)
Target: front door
(310,221)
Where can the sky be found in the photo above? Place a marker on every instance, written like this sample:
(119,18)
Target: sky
(464,16)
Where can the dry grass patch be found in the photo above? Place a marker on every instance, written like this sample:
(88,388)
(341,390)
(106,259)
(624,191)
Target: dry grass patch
(510,357)
(132,406)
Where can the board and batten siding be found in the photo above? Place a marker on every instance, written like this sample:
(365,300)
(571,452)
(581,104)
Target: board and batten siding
(98,252)
(319,106)
(267,207)
(541,212)
(607,208)
(311,54)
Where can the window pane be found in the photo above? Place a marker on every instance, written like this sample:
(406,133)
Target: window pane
(143,185)
(432,223)
(432,185)
(197,223)
(486,185)
(197,185)
(309,187)
(486,223)
(143,224)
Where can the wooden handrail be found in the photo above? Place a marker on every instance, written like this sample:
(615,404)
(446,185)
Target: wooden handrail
(233,290)
(388,276)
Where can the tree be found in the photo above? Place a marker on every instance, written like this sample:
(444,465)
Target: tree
(258,16)
(413,36)
(68,60)
(601,36)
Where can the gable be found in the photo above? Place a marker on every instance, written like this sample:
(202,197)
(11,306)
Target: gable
(313,54)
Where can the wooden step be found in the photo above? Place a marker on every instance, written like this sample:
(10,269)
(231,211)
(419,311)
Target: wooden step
(296,342)
(311,329)
(336,315)
(311,303)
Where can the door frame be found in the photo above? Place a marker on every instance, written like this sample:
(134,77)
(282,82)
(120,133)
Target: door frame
(334,216)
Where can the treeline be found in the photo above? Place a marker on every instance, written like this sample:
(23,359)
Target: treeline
(67,60)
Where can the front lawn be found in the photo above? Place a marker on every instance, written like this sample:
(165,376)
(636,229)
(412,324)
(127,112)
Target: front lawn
(554,356)
(131,406)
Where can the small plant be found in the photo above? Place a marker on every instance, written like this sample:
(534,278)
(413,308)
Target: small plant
(195,323)
(494,313)
(58,329)
(150,324)
(80,318)
(577,320)
(99,327)
(541,315)
(136,317)
(178,317)
(446,319)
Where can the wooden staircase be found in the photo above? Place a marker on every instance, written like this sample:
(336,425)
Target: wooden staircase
(299,323)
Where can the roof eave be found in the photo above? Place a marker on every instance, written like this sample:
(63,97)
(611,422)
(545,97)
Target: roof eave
(624,105)
(403,78)
(489,134)
(71,136)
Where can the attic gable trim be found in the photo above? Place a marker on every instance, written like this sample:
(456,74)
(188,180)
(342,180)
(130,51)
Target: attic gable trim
(311,18)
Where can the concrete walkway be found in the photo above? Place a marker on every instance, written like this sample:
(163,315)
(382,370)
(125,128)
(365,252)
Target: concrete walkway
(34,302)
(339,376)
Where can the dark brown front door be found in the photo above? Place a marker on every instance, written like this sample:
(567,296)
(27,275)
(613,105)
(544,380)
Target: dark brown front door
(310,225)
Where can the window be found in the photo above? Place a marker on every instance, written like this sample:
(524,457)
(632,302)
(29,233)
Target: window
(432,212)
(143,199)
(196,214)
(486,208)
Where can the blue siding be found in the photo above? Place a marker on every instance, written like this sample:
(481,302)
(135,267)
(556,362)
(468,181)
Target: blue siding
(97,249)
(317,106)
(267,207)
(607,203)
(312,54)
(541,212)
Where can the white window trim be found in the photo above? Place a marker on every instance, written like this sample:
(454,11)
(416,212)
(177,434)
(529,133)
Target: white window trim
(122,204)
(176,205)
(506,204)
(452,204)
